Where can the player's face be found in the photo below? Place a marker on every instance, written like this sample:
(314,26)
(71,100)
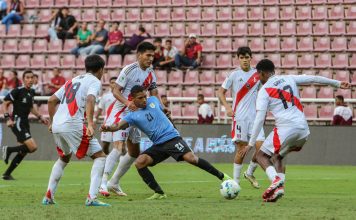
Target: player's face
(140,100)
(168,45)
(28,80)
(146,58)
(245,61)
(264,76)
(112,84)
(200,100)
(164,101)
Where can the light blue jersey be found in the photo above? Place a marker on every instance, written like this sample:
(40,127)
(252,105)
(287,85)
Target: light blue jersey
(153,122)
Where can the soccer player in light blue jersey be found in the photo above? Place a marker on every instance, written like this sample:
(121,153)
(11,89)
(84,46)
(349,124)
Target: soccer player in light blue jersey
(167,141)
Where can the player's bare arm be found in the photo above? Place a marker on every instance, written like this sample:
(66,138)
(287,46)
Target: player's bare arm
(90,104)
(222,98)
(9,121)
(118,95)
(35,112)
(52,103)
(122,125)
(98,114)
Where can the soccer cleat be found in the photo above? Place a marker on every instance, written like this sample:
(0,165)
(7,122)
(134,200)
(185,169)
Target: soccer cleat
(278,193)
(157,196)
(252,180)
(226,177)
(48,201)
(95,202)
(104,192)
(277,182)
(5,156)
(7,177)
(117,190)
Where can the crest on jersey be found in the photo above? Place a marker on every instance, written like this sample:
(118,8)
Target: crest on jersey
(152,105)
(248,85)
(122,78)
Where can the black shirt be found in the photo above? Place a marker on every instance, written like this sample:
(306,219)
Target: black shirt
(22,101)
(67,22)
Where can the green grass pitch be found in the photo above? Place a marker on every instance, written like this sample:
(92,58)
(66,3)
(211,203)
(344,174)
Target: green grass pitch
(312,192)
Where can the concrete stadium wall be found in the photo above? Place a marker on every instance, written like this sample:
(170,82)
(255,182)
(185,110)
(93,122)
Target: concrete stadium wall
(327,145)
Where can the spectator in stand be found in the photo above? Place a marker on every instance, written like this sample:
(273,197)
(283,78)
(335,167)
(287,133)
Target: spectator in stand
(56,18)
(3,7)
(67,28)
(83,38)
(14,13)
(56,82)
(191,56)
(115,39)
(3,84)
(158,55)
(13,81)
(132,43)
(37,86)
(342,113)
(169,53)
(98,41)
(165,101)
(205,113)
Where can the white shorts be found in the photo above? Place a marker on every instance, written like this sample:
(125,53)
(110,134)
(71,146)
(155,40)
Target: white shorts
(111,137)
(76,142)
(242,130)
(282,140)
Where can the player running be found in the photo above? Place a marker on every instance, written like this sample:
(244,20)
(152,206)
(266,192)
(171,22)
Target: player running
(138,73)
(244,84)
(22,100)
(76,102)
(280,96)
(167,142)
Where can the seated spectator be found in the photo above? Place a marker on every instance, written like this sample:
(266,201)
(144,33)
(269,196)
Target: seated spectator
(158,56)
(56,82)
(83,38)
(13,81)
(14,13)
(169,53)
(115,39)
(191,54)
(3,84)
(134,40)
(67,27)
(98,41)
(37,86)
(342,113)
(56,19)
(165,101)
(205,113)
(3,7)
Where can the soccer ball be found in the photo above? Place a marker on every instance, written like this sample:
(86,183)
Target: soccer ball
(229,189)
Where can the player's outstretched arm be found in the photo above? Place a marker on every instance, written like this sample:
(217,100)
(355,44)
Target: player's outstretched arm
(307,79)
(118,95)
(122,125)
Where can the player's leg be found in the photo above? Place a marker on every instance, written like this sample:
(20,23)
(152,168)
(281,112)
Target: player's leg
(253,166)
(105,145)
(241,151)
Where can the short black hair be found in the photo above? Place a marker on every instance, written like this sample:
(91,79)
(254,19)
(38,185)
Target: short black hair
(113,78)
(25,73)
(64,8)
(136,89)
(340,97)
(157,39)
(163,96)
(142,29)
(169,40)
(144,46)
(243,51)
(93,63)
(201,96)
(265,65)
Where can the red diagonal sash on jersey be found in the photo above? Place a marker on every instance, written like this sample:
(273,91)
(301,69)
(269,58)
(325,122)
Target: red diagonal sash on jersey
(70,98)
(274,93)
(147,81)
(251,82)
(109,110)
(117,116)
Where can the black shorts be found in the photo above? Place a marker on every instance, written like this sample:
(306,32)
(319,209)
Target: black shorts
(21,129)
(175,148)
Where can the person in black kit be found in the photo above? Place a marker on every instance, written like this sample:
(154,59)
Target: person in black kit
(22,100)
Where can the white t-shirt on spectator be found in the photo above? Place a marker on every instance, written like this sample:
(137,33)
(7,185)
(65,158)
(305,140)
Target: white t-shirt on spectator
(205,110)
(171,53)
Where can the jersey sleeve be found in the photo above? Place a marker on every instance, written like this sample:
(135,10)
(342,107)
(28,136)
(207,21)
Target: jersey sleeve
(60,92)
(262,100)
(12,96)
(154,82)
(94,89)
(228,81)
(129,119)
(307,79)
(122,79)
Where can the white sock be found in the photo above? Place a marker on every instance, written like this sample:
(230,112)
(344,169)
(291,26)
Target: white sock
(110,163)
(271,173)
(282,176)
(237,172)
(56,174)
(251,168)
(95,176)
(124,165)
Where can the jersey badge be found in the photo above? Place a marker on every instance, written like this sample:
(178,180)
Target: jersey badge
(152,105)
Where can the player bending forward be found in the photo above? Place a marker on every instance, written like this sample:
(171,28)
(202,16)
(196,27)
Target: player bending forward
(280,96)
(77,98)
(244,84)
(167,142)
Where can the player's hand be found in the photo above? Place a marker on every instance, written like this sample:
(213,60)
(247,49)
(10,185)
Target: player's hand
(229,112)
(167,112)
(104,128)
(10,123)
(43,120)
(90,132)
(345,85)
(132,106)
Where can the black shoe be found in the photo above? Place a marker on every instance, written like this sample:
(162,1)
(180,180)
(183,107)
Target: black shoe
(7,177)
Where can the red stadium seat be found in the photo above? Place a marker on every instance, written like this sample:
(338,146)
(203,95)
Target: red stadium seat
(289,44)
(43,109)
(352,44)
(255,2)
(224,29)
(131,29)
(240,2)
(224,2)
(346,93)
(53,61)
(304,12)
(32,3)
(176,110)
(162,90)
(323,61)
(114,61)
(209,14)
(190,92)
(193,28)
(224,61)
(289,61)
(47,3)
(91,3)
(178,43)
(207,77)
(150,28)
(193,14)
(178,2)
(326,112)
(104,14)
(69,44)
(25,46)
(239,42)
(76,3)
(163,2)
(45,15)
(240,13)
(326,92)
(28,30)
(240,29)
(209,29)
(79,63)
(256,58)
(310,111)
(209,60)
(308,92)
(336,12)
(351,28)
(193,2)
(338,28)
(178,29)
(2,30)
(134,2)
(118,14)
(208,91)
(10,46)
(256,44)
(288,28)
(306,61)
(341,60)
(209,2)
(321,28)
(287,13)
(272,29)
(174,92)
(256,29)
(14,30)
(163,14)
(133,14)
(175,78)
(42,30)
(209,44)
(272,13)
(221,76)
(61,3)
(342,75)
(272,44)
(55,46)
(104,3)
(149,2)
(322,44)
(256,13)
(325,73)
(148,14)
(178,14)
(129,58)
(8,61)
(276,59)
(23,61)
(68,61)
(191,77)
(320,12)
(161,76)
(162,29)
(225,13)
(305,28)
(40,46)
(351,12)
(224,44)
(339,44)
(305,44)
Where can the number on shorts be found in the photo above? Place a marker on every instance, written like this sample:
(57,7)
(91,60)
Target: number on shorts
(179,146)
(281,96)
(70,92)
(149,117)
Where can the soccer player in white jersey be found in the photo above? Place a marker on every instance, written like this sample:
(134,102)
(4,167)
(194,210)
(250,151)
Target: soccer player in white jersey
(244,84)
(76,99)
(279,95)
(138,73)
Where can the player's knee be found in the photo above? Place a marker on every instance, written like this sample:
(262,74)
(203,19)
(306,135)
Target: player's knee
(190,158)
(32,149)
(141,162)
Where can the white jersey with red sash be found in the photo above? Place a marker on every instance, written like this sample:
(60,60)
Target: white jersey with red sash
(244,87)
